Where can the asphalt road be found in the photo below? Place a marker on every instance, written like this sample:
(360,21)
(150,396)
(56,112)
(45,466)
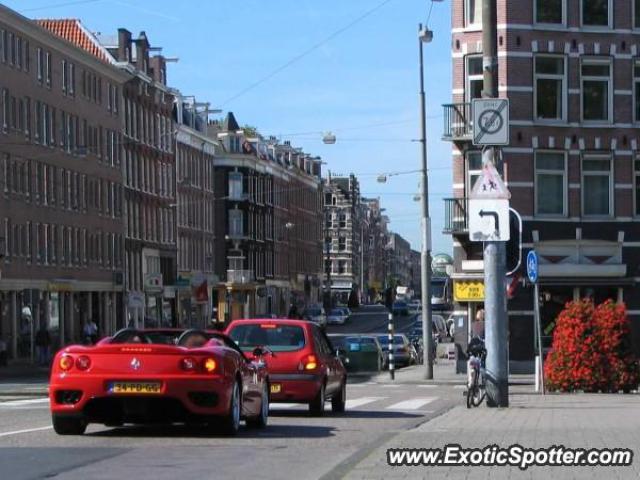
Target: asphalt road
(294,445)
(372,319)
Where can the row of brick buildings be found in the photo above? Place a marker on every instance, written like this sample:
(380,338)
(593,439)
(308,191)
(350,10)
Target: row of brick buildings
(571,70)
(124,203)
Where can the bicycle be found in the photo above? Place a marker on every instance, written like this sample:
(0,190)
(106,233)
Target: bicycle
(475,373)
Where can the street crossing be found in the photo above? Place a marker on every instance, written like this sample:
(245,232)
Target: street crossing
(372,403)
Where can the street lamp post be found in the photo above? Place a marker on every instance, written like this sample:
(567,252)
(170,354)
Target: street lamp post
(425,36)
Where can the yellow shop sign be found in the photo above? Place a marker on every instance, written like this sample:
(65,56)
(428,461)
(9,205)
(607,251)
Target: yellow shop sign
(468,291)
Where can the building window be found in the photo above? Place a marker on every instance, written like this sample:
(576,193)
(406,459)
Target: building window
(236,191)
(473,12)
(636,13)
(342,220)
(236,223)
(474,77)
(551,183)
(474,169)
(342,267)
(550,87)
(597,98)
(636,89)
(597,188)
(595,13)
(47,63)
(549,11)
(342,244)
(636,185)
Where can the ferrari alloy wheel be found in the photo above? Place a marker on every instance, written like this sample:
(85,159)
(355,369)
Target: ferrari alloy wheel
(316,406)
(261,420)
(339,399)
(231,421)
(69,425)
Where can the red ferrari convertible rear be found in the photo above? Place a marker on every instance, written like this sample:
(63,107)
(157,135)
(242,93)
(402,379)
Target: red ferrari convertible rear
(158,376)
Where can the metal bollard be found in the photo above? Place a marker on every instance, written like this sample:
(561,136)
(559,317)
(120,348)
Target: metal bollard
(391,364)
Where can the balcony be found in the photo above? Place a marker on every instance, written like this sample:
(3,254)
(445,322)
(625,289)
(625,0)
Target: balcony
(458,122)
(240,276)
(455,216)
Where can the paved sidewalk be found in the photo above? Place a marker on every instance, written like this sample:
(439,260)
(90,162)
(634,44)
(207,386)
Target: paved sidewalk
(572,420)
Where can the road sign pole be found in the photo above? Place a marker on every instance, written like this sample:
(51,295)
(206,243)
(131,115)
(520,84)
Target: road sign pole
(536,309)
(494,252)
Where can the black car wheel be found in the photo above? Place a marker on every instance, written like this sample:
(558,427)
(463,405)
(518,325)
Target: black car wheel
(316,406)
(339,399)
(69,425)
(231,422)
(261,420)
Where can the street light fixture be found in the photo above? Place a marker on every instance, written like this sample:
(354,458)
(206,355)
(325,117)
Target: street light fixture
(425,36)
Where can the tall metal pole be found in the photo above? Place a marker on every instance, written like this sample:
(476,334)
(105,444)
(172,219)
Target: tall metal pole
(427,334)
(497,376)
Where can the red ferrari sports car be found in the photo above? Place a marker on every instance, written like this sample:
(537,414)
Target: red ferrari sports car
(158,376)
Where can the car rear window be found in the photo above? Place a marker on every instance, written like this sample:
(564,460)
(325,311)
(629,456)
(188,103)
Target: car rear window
(279,338)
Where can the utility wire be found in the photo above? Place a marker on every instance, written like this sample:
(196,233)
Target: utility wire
(305,53)
(58,5)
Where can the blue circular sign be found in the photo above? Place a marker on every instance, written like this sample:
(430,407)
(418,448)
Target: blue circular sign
(532,266)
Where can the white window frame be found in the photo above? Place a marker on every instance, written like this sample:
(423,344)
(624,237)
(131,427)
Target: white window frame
(468,77)
(548,76)
(597,27)
(636,182)
(583,174)
(467,9)
(602,61)
(565,183)
(562,23)
(469,171)
(635,81)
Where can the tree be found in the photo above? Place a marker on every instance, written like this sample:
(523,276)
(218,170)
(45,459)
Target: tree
(250,131)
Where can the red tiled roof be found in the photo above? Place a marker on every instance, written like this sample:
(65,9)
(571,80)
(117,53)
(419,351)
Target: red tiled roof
(72,31)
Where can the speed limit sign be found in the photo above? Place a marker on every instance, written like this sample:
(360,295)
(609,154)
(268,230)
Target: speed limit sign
(490,121)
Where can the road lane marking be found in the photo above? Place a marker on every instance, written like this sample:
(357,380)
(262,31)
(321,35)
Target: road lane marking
(30,401)
(358,402)
(428,386)
(28,430)
(459,387)
(283,406)
(413,404)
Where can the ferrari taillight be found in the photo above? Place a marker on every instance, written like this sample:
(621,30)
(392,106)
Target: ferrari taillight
(65,363)
(188,364)
(83,362)
(209,365)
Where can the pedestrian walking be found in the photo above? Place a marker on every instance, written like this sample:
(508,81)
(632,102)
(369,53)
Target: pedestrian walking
(90,331)
(43,343)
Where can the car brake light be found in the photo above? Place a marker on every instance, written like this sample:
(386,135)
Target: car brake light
(65,363)
(209,365)
(310,363)
(268,325)
(83,362)
(188,364)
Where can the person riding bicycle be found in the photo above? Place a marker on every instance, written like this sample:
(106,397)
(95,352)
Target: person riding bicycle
(476,348)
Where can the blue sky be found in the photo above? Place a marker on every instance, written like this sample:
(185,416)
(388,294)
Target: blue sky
(362,84)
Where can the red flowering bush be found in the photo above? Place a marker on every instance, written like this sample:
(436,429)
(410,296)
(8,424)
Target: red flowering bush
(591,350)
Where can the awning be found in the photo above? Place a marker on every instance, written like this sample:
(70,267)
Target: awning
(586,281)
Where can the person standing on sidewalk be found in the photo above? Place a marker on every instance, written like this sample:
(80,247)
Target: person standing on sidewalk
(43,342)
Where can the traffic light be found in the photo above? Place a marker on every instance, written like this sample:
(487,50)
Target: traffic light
(514,245)
(388,298)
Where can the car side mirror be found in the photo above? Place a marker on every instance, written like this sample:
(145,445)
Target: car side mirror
(258,352)
(340,352)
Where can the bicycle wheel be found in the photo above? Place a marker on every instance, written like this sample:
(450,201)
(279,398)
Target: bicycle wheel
(479,392)
(471,391)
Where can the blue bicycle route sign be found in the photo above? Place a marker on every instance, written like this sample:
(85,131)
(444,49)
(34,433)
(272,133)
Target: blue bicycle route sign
(532,266)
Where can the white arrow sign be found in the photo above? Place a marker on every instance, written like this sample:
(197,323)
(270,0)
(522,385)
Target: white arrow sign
(489,220)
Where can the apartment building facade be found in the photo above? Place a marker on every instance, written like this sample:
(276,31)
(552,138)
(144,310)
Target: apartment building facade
(400,260)
(571,70)
(61,196)
(268,247)
(375,248)
(344,231)
(195,153)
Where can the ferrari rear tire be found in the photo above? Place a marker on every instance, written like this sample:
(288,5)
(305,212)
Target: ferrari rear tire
(69,425)
(339,399)
(261,420)
(230,423)
(316,406)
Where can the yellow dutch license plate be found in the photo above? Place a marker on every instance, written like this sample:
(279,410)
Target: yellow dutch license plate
(276,388)
(136,387)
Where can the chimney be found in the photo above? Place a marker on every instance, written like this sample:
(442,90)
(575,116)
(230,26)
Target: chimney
(142,53)
(124,45)
(287,143)
(158,69)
